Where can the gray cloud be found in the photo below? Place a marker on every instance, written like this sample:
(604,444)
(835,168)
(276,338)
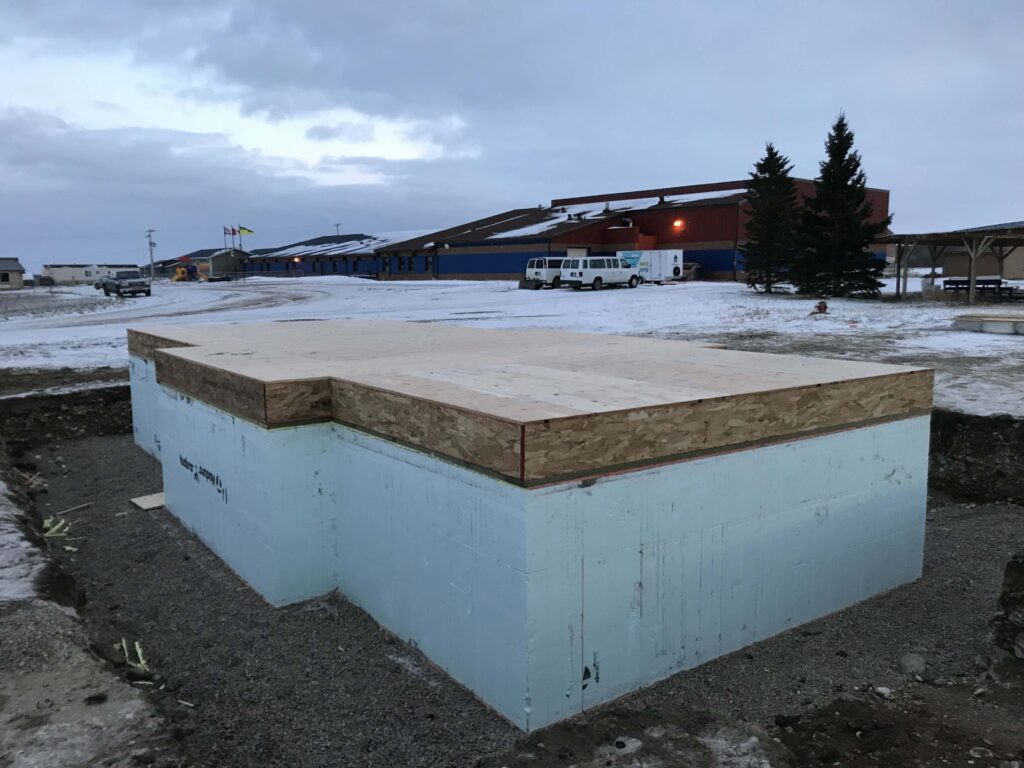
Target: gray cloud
(554,98)
(72,193)
(344,131)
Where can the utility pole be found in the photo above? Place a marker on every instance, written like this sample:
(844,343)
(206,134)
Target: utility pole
(337,229)
(152,245)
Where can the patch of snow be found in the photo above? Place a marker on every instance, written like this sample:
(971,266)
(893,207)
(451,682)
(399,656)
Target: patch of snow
(410,666)
(67,389)
(367,244)
(913,332)
(619,750)
(732,749)
(598,210)
(20,561)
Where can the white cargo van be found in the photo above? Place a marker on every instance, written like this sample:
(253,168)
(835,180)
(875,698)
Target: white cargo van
(598,271)
(545,271)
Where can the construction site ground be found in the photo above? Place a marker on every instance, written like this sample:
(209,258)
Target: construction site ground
(234,682)
(906,678)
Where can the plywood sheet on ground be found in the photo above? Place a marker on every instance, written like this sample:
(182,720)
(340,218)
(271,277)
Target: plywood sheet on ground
(530,405)
(152,501)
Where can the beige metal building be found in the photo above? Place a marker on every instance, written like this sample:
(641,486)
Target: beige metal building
(12,274)
(997,251)
(77,274)
(957,263)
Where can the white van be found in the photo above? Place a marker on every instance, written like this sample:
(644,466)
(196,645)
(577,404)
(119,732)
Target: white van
(598,271)
(544,272)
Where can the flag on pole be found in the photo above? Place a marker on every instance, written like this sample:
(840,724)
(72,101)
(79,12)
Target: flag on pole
(227,230)
(234,231)
(244,230)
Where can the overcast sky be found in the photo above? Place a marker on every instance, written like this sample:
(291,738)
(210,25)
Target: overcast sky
(289,117)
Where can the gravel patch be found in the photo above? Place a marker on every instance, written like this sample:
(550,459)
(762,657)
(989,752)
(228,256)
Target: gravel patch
(59,706)
(315,684)
(320,683)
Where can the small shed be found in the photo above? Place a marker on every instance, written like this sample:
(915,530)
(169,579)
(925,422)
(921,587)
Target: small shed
(12,274)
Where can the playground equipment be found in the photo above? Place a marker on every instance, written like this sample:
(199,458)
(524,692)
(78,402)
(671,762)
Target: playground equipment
(188,271)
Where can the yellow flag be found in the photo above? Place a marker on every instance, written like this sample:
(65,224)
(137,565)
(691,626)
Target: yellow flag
(244,230)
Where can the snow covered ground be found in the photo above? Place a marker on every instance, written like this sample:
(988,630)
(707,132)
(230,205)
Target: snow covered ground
(20,561)
(980,373)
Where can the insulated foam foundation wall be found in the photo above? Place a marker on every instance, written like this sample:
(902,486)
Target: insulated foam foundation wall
(145,399)
(547,599)
(646,573)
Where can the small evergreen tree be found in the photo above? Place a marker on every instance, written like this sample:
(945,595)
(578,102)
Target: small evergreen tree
(836,227)
(772,228)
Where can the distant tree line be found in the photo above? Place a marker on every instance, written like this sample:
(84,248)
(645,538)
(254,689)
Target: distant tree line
(821,247)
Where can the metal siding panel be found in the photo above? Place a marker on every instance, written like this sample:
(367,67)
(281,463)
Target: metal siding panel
(714,260)
(702,224)
(485,263)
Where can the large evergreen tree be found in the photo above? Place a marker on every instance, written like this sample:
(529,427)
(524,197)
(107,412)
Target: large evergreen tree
(836,227)
(772,228)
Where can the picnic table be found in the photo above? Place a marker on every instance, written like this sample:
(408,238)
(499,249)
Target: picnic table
(984,286)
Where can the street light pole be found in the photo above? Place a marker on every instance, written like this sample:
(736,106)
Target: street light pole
(151,244)
(337,229)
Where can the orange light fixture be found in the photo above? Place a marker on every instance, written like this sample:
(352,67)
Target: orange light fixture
(296,259)
(679,224)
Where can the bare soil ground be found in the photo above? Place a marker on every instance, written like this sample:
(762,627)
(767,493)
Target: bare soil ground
(21,382)
(61,706)
(321,684)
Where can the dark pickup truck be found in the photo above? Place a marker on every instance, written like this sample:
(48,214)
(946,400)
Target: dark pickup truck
(128,282)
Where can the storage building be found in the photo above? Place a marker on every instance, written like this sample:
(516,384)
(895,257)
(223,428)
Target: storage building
(12,274)
(1004,262)
(81,274)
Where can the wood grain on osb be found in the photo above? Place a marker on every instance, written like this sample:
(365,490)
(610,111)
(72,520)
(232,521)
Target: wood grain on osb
(466,436)
(297,402)
(581,444)
(143,344)
(238,395)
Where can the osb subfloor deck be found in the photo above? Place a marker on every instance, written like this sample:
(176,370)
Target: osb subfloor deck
(1017,318)
(531,405)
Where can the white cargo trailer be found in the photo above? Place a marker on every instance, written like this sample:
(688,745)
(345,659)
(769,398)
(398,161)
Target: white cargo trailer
(656,266)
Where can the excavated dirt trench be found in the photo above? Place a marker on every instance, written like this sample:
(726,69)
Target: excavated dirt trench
(237,683)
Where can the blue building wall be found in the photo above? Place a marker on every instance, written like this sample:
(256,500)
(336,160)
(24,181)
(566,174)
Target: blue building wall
(333,266)
(715,259)
(481,263)
(404,265)
(490,263)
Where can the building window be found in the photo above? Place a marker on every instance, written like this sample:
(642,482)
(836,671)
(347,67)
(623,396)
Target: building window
(428,264)
(5,277)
